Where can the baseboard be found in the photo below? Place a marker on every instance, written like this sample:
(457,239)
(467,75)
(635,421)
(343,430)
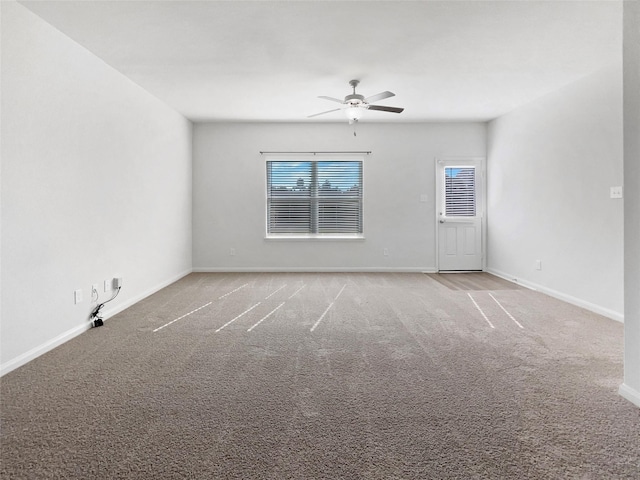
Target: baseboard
(35,352)
(606,312)
(314,270)
(74,332)
(630,394)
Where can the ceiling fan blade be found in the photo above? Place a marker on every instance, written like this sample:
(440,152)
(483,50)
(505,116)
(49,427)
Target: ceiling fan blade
(386,109)
(332,99)
(322,113)
(379,96)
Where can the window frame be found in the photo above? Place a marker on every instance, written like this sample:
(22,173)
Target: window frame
(315,157)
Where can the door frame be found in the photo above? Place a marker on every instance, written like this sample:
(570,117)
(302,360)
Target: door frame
(481,164)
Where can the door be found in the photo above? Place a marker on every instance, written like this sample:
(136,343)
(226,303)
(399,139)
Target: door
(460,189)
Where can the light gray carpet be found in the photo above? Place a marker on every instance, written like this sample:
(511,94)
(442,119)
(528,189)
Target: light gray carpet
(401,378)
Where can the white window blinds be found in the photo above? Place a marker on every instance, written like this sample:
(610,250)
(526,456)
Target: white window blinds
(460,191)
(314,197)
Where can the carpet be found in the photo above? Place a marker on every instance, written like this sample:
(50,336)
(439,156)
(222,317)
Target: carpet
(327,376)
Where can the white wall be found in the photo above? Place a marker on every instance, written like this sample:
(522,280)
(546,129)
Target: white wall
(96,183)
(229,194)
(631,387)
(551,164)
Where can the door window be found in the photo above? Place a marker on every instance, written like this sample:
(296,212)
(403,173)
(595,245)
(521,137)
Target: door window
(459,192)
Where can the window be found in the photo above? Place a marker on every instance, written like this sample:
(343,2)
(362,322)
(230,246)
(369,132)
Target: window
(314,198)
(460,191)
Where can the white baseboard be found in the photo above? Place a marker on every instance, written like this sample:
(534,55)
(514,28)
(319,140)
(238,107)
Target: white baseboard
(75,331)
(43,348)
(314,270)
(606,312)
(630,394)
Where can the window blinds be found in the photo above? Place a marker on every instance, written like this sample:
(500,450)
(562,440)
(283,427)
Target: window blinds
(314,197)
(460,191)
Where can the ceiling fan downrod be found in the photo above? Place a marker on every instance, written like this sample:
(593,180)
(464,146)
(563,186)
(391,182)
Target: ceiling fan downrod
(354,99)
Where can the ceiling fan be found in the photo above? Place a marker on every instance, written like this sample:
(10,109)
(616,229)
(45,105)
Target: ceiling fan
(355,104)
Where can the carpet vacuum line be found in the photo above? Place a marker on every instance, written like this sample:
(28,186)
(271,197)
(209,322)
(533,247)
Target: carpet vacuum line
(199,308)
(254,306)
(243,313)
(328,308)
(232,291)
(296,292)
(480,310)
(273,293)
(180,318)
(265,317)
(505,310)
(321,317)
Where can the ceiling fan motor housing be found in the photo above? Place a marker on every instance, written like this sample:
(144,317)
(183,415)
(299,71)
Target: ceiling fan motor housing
(354,99)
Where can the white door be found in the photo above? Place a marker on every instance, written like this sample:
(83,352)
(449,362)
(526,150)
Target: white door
(460,189)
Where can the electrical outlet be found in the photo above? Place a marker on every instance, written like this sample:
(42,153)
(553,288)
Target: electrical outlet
(77,296)
(538,264)
(232,251)
(385,252)
(94,292)
(107,285)
(615,192)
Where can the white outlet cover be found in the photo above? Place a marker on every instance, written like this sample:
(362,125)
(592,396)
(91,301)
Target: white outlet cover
(107,285)
(616,192)
(77,296)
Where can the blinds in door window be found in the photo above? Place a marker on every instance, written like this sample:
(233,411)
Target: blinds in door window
(314,197)
(460,191)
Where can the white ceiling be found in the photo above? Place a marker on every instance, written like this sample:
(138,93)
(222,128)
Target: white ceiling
(269,60)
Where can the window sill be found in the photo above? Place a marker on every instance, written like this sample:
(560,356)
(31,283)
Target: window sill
(320,238)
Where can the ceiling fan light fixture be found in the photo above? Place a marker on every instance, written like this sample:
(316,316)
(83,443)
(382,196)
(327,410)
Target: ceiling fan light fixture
(354,112)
